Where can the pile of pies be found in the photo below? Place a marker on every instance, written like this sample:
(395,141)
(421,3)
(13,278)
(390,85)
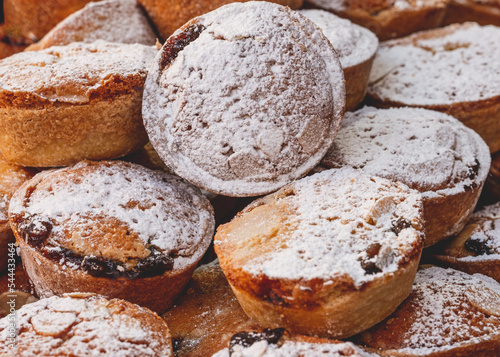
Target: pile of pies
(284,178)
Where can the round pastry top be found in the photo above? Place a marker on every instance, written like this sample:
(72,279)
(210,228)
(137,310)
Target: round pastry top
(353,43)
(75,74)
(339,226)
(86,325)
(103,20)
(113,214)
(447,309)
(429,151)
(11,178)
(479,240)
(455,64)
(243,100)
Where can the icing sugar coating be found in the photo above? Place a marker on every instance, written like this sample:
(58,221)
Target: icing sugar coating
(371,6)
(460,63)
(446,309)
(95,326)
(244,99)
(353,43)
(71,74)
(429,151)
(342,224)
(159,209)
(112,20)
(294,349)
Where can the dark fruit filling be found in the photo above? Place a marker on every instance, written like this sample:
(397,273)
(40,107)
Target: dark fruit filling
(399,225)
(247,339)
(177,43)
(35,231)
(477,247)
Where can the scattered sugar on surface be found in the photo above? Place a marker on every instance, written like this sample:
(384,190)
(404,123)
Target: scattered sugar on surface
(90,328)
(462,66)
(250,104)
(488,233)
(353,43)
(339,215)
(426,150)
(72,73)
(343,5)
(442,318)
(162,209)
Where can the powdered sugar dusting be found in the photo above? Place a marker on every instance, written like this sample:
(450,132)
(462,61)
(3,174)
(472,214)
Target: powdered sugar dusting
(72,73)
(461,66)
(487,233)
(248,105)
(120,21)
(353,43)
(294,349)
(339,216)
(443,316)
(429,151)
(95,327)
(163,210)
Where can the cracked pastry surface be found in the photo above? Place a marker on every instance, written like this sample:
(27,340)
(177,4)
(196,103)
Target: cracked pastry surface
(112,228)
(238,108)
(336,232)
(449,313)
(86,324)
(429,151)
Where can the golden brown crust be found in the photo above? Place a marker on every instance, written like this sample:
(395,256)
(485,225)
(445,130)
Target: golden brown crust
(169,15)
(207,315)
(471,10)
(356,82)
(461,309)
(387,20)
(35,18)
(350,313)
(101,129)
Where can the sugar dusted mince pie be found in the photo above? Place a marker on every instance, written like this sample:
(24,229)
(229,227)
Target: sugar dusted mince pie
(448,314)
(277,343)
(245,99)
(120,21)
(429,151)
(455,70)
(11,178)
(111,228)
(388,18)
(477,248)
(356,47)
(82,324)
(68,103)
(329,255)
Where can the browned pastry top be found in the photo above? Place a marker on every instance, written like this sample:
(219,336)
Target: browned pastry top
(86,324)
(73,74)
(113,219)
